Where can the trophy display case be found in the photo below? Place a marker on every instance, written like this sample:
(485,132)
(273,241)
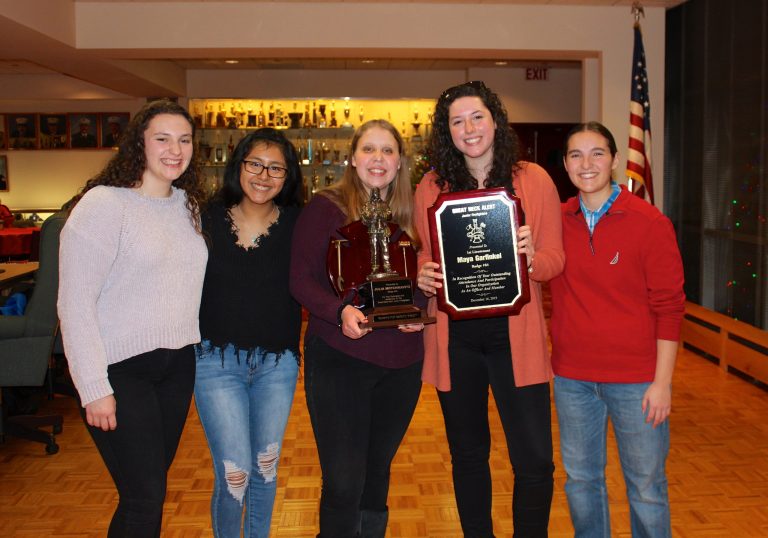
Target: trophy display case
(319,128)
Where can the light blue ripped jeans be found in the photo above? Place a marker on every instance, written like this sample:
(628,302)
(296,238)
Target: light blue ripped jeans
(243,403)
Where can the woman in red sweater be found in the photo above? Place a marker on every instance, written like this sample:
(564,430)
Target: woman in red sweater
(616,315)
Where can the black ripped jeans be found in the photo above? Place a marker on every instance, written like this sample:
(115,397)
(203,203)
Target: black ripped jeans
(360,413)
(480,357)
(153,392)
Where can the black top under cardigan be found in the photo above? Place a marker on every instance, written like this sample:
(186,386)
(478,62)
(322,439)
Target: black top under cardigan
(245,299)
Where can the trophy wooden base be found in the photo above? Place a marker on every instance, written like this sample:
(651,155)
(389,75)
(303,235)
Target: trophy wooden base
(389,302)
(392,316)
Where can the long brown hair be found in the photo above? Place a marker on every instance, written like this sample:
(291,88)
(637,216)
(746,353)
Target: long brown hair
(349,193)
(126,168)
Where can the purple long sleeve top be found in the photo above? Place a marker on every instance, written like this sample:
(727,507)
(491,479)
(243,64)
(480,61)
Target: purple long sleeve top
(317,225)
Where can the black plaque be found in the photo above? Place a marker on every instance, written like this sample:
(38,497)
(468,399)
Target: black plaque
(474,239)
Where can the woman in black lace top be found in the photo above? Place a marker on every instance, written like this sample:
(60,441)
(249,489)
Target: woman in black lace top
(248,360)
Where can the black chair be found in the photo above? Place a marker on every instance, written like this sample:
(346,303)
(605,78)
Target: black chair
(26,342)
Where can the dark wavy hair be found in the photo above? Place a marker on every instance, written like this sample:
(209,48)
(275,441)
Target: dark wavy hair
(231,193)
(126,168)
(594,127)
(448,161)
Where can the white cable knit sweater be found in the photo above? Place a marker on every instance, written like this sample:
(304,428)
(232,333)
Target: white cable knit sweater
(131,273)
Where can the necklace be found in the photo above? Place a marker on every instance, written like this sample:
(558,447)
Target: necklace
(250,233)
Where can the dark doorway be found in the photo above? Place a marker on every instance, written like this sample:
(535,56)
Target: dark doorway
(542,143)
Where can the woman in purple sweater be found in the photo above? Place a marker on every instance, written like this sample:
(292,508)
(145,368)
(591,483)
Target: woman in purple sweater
(362,385)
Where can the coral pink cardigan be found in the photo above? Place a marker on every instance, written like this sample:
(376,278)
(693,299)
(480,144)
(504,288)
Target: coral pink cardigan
(527,330)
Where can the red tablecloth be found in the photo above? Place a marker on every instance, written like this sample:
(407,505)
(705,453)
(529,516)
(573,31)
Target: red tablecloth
(16,241)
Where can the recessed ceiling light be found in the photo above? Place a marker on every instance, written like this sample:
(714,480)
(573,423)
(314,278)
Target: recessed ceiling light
(231,61)
(369,61)
(500,63)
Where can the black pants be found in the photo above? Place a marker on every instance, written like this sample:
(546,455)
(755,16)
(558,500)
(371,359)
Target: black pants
(480,356)
(153,392)
(360,413)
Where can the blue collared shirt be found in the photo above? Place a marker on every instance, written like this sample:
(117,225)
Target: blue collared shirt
(593,216)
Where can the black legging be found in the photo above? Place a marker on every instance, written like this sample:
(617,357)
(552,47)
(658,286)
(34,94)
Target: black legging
(480,356)
(360,413)
(153,392)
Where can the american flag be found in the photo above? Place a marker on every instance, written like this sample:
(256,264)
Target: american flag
(639,154)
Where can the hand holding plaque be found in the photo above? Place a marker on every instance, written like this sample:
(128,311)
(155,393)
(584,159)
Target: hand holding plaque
(372,266)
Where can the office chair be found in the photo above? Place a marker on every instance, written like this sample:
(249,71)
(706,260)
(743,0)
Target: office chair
(26,342)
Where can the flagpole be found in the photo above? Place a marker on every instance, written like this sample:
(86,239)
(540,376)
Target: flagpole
(639,174)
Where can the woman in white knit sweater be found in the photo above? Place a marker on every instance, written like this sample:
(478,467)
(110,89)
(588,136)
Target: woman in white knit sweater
(132,262)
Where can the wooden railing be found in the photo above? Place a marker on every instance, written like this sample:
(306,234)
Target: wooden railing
(734,344)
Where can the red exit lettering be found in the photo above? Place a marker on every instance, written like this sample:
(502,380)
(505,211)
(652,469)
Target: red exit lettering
(536,73)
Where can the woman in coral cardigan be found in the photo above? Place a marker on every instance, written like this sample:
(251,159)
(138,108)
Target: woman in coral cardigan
(471,147)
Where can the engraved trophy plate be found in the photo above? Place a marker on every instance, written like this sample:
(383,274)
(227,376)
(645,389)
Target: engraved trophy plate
(474,239)
(372,266)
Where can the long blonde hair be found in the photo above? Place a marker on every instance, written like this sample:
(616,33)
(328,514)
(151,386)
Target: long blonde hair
(349,193)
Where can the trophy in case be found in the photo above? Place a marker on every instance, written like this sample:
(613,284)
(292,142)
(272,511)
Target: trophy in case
(205,149)
(330,176)
(347,111)
(295,119)
(333,115)
(416,124)
(416,140)
(323,122)
(315,182)
(198,117)
(372,266)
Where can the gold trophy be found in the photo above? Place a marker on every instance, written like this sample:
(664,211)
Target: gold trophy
(372,266)
(347,111)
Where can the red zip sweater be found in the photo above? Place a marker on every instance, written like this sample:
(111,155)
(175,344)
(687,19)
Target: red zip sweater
(621,290)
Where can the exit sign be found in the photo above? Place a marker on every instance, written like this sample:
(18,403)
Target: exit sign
(536,73)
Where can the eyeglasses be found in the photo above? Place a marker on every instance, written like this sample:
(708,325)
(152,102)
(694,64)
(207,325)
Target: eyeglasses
(273,171)
(475,84)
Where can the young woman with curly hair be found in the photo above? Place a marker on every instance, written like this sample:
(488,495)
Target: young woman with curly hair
(132,261)
(473,147)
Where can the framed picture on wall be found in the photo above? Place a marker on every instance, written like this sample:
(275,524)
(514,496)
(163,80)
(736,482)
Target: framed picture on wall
(112,126)
(54,131)
(83,131)
(22,131)
(3,132)
(3,173)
